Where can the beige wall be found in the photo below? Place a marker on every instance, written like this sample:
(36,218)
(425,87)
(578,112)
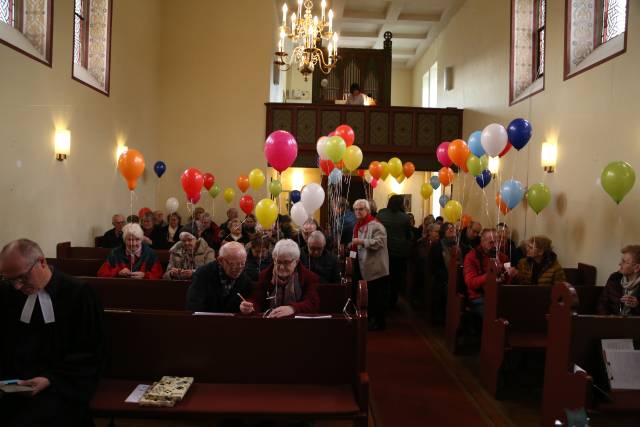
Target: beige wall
(51,201)
(594,118)
(401,87)
(214,83)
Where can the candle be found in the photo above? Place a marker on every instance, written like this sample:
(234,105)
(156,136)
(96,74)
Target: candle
(293,24)
(299,7)
(330,52)
(330,20)
(284,15)
(335,44)
(324,5)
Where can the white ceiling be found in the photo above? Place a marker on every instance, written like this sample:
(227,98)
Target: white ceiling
(414,24)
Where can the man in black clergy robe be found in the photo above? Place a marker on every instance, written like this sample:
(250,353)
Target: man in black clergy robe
(51,340)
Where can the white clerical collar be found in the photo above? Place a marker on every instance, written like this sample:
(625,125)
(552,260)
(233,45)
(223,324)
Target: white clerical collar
(45,305)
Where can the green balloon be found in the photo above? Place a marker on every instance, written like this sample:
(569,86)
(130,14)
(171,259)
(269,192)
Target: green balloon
(484,161)
(335,148)
(214,190)
(617,179)
(538,197)
(275,188)
(474,164)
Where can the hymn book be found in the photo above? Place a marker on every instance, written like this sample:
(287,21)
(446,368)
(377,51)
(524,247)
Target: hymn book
(622,362)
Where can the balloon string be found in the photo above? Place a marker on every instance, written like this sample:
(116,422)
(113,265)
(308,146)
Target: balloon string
(131,214)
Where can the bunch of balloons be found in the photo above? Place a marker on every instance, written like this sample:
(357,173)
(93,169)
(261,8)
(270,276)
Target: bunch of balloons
(394,167)
(338,152)
(310,200)
(192,182)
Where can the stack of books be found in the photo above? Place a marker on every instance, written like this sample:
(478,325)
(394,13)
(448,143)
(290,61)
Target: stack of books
(166,392)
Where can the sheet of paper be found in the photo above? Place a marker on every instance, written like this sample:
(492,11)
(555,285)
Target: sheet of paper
(624,369)
(617,344)
(137,393)
(577,368)
(206,313)
(303,316)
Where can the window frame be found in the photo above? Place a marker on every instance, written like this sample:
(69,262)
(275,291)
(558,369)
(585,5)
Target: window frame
(48,55)
(537,29)
(107,76)
(598,14)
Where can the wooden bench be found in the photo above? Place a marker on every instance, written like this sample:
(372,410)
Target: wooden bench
(574,339)
(456,303)
(244,367)
(77,266)
(172,294)
(65,250)
(584,275)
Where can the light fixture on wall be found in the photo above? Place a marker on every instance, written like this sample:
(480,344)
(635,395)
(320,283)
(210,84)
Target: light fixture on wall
(549,156)
(306,32)
(62,144)
(448,78)
(494,166)
(119,150)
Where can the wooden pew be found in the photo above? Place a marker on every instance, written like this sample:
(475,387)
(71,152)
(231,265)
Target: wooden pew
(293,369)
(76,266)
(456,303)
(584,275)
(172,294)
(65,250)
(574,339)
(515,318)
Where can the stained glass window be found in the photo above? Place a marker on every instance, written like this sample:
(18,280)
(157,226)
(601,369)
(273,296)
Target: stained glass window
(541,12)
(79,32)
(31,18)
(614,19)
(5,11)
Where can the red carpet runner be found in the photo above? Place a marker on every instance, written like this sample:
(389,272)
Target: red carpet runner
(409,385)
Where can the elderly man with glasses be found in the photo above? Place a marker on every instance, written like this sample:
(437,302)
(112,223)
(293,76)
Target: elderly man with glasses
(286,287)
(319,260)
(220,287)
(52,341)
(113,238)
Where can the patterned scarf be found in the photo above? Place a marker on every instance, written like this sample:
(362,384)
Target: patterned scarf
(287,293)
(629,287)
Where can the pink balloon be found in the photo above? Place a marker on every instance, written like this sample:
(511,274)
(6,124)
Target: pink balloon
(443,154)
(280,149)
(374,183)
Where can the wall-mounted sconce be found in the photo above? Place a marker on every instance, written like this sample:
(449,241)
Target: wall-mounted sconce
(549,156)
(62,144)
(494,166)
(448,78)
(119,150)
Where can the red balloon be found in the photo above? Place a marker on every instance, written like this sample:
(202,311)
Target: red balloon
(209,180)
(246,204)
(375,169)
(374,183)
(346,133)
(361,173)
(192,181)
(143,211)
(193,197)
(506,149)
(327,166)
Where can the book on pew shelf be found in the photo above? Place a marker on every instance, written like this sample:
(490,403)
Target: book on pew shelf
(207,313)
(622,362)
(137,393)
(166,392)
(311,316)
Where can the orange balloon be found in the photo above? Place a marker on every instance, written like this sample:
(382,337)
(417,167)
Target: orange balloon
(503,206)
(446,176)
(465,220)
(408,169)
(458,152)
(375,169)
(243,183)
(131,166)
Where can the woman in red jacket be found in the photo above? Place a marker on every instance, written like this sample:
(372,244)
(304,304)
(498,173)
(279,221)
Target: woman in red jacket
(286,287)
(135,259)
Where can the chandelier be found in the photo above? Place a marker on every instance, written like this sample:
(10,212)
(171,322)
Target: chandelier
(306,33)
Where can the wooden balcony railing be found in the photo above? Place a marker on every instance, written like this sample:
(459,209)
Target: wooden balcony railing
(413,134)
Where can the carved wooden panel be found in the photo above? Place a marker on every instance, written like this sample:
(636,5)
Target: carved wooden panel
(330,120)
(426,132)
(355,119)
(282,120)
(379,129)
(402,128)
(306,127)
(450,127)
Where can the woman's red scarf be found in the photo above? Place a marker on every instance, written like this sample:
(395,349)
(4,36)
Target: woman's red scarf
(361,223)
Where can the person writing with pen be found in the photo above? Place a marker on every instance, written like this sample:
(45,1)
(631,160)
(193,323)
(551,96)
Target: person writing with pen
(286,287)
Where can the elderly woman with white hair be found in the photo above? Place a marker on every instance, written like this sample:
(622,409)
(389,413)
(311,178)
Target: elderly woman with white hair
(286,287)
(135,259)
(370,246)
(187,255)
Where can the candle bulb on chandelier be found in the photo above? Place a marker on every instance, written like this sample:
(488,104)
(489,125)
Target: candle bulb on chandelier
(323,4)
(293,24)
(299,7)
(284,15)
(281,43)
(335,44)
(330,20)
(330,52)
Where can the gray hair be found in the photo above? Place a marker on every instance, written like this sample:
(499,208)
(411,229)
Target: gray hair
(365,202)
(317,235)
(134,229)
(229,248)
(286,247)
(432,226)
(27,249)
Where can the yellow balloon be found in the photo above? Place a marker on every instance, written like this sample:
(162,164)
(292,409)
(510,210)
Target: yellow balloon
(266,213)
(426,190)
(352,157)
(256,178)
(385,170)
(452,211)
(391,194)
(229,194)
(400,178)
(395,167)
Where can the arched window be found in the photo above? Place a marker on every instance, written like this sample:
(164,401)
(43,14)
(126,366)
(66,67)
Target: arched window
(596,31)
(528,31)
(26,26)
(92,43)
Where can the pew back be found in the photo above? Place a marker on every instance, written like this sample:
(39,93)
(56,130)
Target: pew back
(65,250)
(77,267)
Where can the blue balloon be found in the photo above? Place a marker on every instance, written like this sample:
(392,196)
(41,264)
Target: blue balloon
(335,177)
(443,200)
(484,178)
(474,144)
(294,196)
(435,182)
(159,168)
(519,131)
(512,193)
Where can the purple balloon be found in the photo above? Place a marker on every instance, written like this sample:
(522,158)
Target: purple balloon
(443,154)
(280,149)
(484,178)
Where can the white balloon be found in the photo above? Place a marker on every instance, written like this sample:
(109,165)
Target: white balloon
(368,177)
(312,197)
(321,147)
(494,139)
(172,205)
(298,214)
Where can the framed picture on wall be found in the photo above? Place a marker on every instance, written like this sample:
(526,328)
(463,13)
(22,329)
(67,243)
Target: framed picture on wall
(407,202)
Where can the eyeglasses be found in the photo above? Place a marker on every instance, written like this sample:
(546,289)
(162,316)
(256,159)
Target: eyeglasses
(234,264)
(13,281)
(285,263)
